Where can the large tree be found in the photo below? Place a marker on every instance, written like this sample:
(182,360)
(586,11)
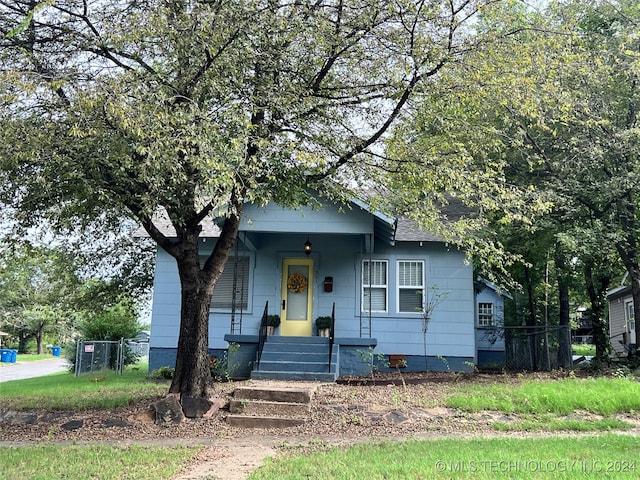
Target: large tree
(196,107)
(38,289)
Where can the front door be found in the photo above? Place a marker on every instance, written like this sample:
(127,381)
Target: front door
(297,297)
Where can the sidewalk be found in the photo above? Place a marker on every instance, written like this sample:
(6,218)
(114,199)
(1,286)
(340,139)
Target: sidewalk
(22,370)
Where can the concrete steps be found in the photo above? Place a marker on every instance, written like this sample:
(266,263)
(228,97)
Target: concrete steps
(297,358)
(271,405)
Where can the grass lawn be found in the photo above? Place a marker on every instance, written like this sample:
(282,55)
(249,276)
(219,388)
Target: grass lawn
(585,349)
(607,456)
(64,391)
(602,396)
(47,462)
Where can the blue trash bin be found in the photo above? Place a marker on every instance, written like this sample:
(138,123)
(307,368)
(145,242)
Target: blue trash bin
(55,351)
(14,356)
(5,355)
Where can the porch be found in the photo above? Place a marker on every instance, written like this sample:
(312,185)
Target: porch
(299,358)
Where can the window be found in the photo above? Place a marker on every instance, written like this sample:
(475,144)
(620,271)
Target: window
(631,320)
(222,298)
(410,286)
(374,286)
(485,314)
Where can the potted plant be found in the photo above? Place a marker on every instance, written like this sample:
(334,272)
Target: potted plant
(273,322)
(323,324)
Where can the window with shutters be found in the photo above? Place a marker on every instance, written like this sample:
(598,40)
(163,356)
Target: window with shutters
(374,285)
(410,286)
(235,275)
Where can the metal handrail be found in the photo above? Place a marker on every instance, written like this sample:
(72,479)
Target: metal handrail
(262,334)
(331,333)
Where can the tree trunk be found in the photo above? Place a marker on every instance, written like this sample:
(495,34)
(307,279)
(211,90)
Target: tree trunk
(564,333)
(40,338)
(597,286)
(192,376)
(532,321)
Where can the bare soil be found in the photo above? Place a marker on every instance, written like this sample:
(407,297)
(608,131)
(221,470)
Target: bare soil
(358,409)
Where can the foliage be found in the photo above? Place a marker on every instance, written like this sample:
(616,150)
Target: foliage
(323,322)
(273,320)
(38,288)
(113,323)
(186,111)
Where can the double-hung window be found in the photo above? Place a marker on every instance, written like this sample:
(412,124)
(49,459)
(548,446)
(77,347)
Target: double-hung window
(410,286)
(235,276)
(485,314)
(374,285)
(631,320)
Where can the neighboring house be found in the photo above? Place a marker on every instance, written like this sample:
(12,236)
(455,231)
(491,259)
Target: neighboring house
(373,271)
(490,324)
(622,325)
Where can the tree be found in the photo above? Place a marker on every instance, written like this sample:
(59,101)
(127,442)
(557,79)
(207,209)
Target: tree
(193,108)
(37,291)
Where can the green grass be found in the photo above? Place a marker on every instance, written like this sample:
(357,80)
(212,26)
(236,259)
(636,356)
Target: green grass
(602,396)
(606,456)
(32,357)
(47,462)
(585,349)
(548,423)
(64,391)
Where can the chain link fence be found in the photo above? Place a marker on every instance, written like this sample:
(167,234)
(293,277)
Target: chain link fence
(94,356)
(537,348)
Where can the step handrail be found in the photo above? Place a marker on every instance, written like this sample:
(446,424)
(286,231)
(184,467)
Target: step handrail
(262,334)
(331,333)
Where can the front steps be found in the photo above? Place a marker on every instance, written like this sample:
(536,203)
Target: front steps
(271,405)
(297,358)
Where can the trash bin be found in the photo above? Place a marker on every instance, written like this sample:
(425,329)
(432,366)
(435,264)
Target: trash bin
(55,351)
(5,355)
(14,356)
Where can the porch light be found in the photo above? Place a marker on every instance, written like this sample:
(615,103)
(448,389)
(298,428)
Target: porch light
(307,247)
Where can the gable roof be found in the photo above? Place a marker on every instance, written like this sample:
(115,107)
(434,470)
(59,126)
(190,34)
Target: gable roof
(618,292)
(386,228)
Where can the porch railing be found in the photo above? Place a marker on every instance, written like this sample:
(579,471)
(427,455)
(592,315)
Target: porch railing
(331,333)
(262,334)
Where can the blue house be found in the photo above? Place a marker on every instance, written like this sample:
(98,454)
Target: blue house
(370,272)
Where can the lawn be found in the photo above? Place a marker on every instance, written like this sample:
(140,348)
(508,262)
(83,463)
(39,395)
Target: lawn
(606,456)
(547,405)
(46,462)
(64,391)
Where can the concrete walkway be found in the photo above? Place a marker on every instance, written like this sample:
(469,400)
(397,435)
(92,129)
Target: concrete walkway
(21,370)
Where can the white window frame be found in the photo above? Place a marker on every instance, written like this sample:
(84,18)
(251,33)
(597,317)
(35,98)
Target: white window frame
(486,314)
(410,287)
(629,316)
(364,268)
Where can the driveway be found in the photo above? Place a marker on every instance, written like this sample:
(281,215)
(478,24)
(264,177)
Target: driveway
(21,370)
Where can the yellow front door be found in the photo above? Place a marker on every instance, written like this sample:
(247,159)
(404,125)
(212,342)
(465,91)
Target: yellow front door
(297,297)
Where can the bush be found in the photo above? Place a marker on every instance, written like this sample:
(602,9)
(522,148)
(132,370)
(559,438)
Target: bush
(165,373)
